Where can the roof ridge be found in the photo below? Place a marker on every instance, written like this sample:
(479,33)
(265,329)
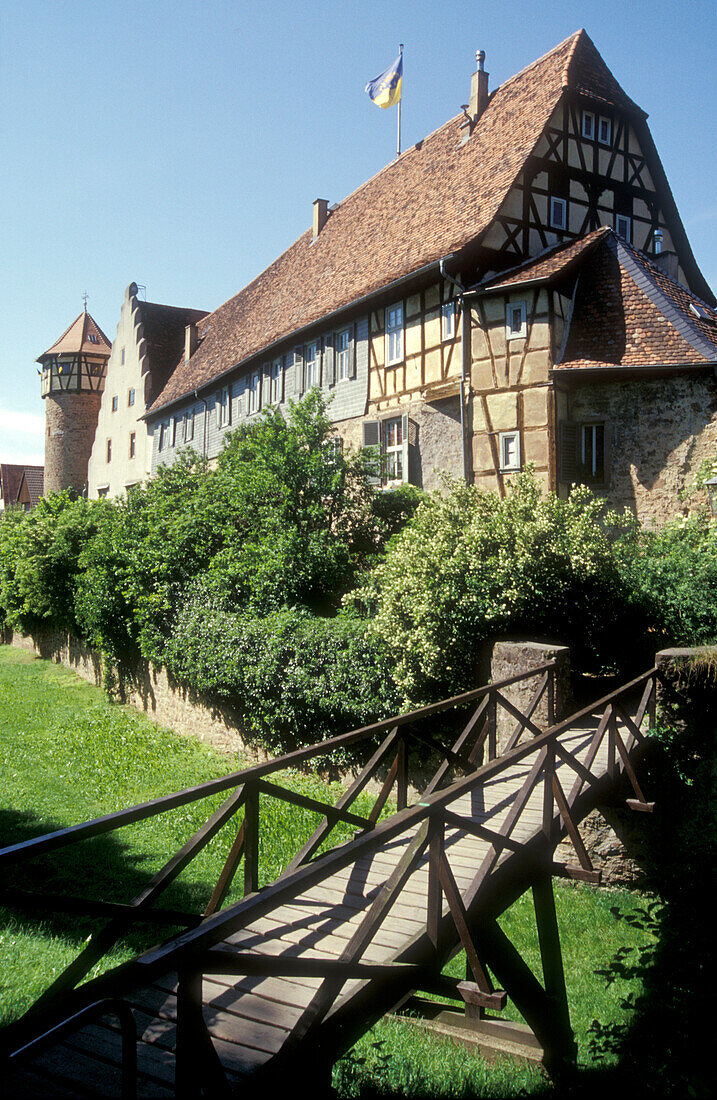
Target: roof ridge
(569,60)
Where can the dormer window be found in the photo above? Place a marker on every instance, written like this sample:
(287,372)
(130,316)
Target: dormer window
(588,125)
(516,327)
(558,213)
(605,130)
(623,227)
(92,338)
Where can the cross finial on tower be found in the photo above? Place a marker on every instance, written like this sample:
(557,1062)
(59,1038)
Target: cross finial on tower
(85,296)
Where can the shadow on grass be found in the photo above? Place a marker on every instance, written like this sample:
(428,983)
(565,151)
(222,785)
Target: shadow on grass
(102,868)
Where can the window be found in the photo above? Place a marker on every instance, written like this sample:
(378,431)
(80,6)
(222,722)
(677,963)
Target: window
(509,450)
(388,440)
(93,339)
(583,453)
(515,321)
(604,130)
(132,444)
(558,213)
(394,334)
(255,391)
(130,398)
(163,430)
(109,450)
(448,320)
(103,491)
(343,354)
(189,426)
(623,227)
(223,408)
(277,377)
(122,357)
(175,431)
(115,403)
(311,365)
(588,125)
(393,449)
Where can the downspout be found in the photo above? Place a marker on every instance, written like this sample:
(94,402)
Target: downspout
(465,358)
(204,431)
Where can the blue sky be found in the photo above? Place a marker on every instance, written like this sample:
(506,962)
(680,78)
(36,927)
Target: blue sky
(180,144)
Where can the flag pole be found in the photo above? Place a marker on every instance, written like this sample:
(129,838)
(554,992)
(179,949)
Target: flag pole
(398,153)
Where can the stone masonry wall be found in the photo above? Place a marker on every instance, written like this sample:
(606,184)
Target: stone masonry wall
(146,687)
(70,424)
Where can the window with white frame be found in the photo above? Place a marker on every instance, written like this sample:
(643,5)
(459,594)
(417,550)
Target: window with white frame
(604,130)
(558,212)
(311,365)
(516,321)
(176,421)
(162,441)
(277,368)
(255,391)
(132,444)
(623,227)
(509,450)
(448,320)
(115,403)
(394,334)
(393,449)
(223,408)
(342,353)
(189,426)
(588,125)
(130,397)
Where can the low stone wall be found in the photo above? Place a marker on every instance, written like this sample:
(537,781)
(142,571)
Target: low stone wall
(145,686)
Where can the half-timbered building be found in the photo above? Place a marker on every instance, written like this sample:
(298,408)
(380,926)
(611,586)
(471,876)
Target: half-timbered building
(439,305)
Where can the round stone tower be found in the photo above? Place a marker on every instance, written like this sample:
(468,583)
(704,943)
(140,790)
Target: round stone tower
(73,378)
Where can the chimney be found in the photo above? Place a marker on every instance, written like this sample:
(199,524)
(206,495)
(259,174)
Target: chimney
(321,214)
(669,263)
(478,100)
(191,340)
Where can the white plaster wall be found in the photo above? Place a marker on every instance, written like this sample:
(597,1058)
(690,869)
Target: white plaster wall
(122,471)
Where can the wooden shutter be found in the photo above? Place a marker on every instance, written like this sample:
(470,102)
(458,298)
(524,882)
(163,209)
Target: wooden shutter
(352,351)
(299,370)
(404,447)
(282,378)
(371,442)
(569,464)
(329,360)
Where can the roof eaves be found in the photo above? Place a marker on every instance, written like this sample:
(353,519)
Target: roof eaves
(325,319)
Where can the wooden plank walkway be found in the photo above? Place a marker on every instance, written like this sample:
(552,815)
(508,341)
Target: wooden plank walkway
(252,1018)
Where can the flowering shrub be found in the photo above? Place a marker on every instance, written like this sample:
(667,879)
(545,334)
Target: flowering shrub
(471,566)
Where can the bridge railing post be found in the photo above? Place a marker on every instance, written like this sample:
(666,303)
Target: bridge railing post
(402,772)
(434,907)
(251,839)
(548,794)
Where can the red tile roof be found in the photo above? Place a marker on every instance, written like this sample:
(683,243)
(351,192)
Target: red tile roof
(34,478)
(76,339)
(11,479)
(551,264)
(629,313)
(435,200)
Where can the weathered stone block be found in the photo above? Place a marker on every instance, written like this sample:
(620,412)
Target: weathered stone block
(511,659)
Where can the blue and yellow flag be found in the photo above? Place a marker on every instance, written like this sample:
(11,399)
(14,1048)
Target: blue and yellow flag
(385,90)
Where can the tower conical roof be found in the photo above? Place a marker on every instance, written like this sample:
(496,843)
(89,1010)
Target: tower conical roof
(83,336)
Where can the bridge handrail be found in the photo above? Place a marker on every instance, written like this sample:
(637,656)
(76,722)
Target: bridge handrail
(72,834)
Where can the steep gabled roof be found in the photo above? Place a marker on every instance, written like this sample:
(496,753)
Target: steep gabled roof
(629,313)
(10,478)
(33,479)
(438,198)
(84,336)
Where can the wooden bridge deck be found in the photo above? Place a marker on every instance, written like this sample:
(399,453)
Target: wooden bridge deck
(251,1018)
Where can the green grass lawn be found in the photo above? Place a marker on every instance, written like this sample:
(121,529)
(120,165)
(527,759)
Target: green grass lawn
(67,754)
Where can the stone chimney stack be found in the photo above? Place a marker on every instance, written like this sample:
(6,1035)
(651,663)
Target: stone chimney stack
(191,340)
(321,214)
(478,100)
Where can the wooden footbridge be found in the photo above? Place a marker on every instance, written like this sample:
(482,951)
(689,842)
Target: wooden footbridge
(288,978)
